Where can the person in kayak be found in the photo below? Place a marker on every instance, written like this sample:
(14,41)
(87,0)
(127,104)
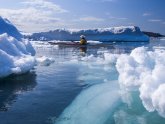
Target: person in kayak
(83,41)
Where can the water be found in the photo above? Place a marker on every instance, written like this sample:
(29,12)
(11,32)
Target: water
(78,88)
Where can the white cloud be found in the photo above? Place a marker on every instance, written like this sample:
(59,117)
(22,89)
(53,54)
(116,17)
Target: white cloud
(43,4)
(118,18)
(154,20)
(36,15)
(146,14)
(90,18)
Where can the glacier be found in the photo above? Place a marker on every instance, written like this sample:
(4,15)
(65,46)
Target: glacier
(123,33)
(16,53)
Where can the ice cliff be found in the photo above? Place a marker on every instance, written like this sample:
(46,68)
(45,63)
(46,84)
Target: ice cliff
(128,33)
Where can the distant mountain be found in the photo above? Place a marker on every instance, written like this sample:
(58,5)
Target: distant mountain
(152,34)
(128,33)
(7,27)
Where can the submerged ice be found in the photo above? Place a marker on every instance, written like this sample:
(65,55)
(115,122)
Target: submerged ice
(93,105)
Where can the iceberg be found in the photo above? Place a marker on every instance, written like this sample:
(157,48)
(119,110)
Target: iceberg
(128,33)
(16,54)
(7,27)
(144,70)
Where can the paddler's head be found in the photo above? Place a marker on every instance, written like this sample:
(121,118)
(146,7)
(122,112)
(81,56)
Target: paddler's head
(82,37)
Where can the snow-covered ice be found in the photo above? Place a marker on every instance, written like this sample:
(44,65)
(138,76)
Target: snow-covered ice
(45,61)
(16,54)
(144,70)
(7,27)
(123,33)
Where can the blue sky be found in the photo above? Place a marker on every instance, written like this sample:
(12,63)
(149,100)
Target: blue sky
(44,15)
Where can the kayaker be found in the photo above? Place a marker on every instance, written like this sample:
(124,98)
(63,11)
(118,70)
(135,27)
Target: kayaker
(83,41)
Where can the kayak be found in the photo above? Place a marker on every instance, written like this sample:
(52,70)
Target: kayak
(65,43)
(77,44)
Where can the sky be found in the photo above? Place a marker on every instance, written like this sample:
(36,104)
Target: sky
(44,15)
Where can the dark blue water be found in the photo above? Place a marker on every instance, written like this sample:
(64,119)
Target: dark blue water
(41,95)
(34,97)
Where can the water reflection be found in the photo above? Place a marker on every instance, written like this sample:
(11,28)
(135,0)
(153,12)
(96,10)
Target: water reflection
(13,85)
(83,49)
(115,47)
(127,47)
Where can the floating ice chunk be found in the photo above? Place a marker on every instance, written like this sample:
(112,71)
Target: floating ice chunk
(6,63)
(7,45)
(14,57)
(159,100)
(128,75)
(92,106)
(93,42)
(151,82)
(110,58)
(29,47)
(145,70)
(43,45)
(121,117)
(23,64)
(162,38)
(90,58)
(45,61)
(143,57)
(15,53)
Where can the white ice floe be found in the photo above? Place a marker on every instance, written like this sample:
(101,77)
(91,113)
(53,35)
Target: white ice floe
(45,61)
(110,58)
(16,54)
(93,42)
(162,38)
(144,69)
(43,45)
